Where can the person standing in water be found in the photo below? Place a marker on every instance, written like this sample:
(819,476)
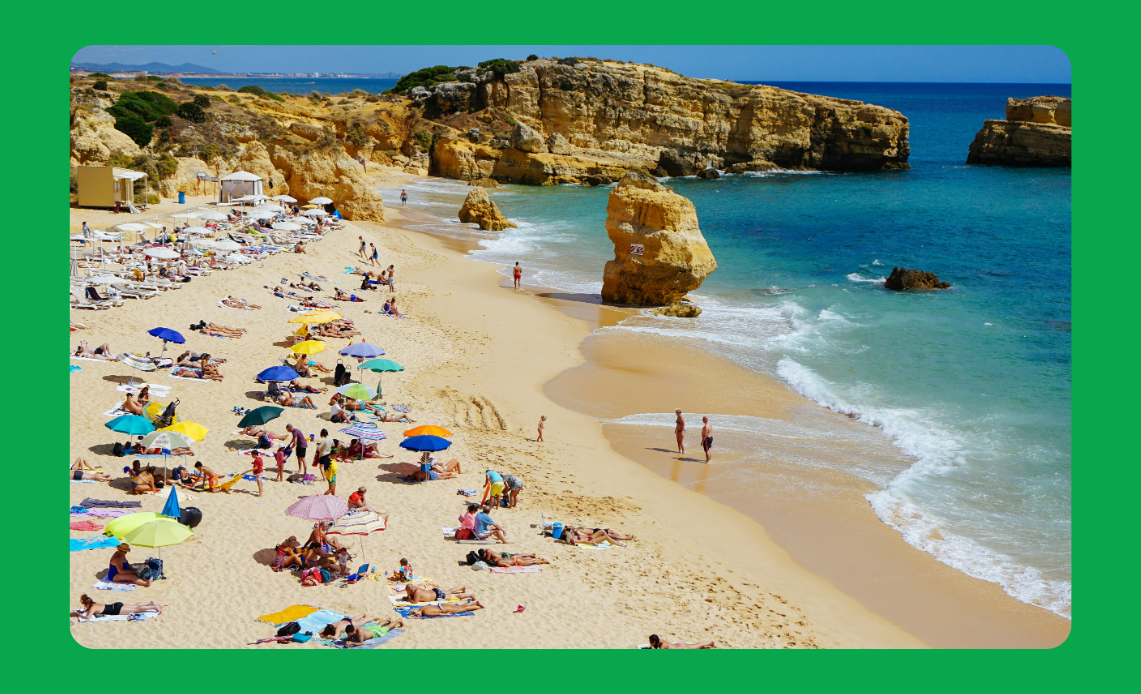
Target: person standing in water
(404,198)
(679,432)
(518,272)
(706,437)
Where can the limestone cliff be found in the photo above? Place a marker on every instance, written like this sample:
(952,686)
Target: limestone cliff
(94,137)
(579,118)
(1036,132)
(330,173)
(479,209)
(659,252)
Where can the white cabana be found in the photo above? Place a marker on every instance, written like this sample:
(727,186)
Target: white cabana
(240,184)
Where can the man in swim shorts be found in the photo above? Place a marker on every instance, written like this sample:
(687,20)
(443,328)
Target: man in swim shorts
(209,478)
(495,481)
(419,592)
(706,436)
(299,446)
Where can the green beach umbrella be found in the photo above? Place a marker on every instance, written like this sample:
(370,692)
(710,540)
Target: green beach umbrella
(380,366)
(358,391)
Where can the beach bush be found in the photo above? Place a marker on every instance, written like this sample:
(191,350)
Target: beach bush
(146,106)
(164,122)
(500,66)
(140,78)
(252,89)
(424,77)
(202,100)
(235,99)
(359,92)
(532,57)
(566,86)
(100,75)
(211,151)
(135,128)
(100,85)
(152,199)
(155,78)
(192,112)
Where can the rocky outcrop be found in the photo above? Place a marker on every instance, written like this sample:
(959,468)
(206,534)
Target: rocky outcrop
(484,183)
(674,259)
(479,209)
(709,174)
(333,174)
(624,116)
(94,137)
(463,160)
(901,278)
(673,164)
(1036,132)
(678,310)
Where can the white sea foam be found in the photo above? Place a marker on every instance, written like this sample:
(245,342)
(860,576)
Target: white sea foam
(857,277)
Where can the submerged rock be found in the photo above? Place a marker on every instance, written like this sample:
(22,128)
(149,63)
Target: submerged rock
(901,278)
(678,310)
(660,254)
(709,174)
(479,209)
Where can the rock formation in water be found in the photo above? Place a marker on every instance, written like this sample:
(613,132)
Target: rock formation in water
(1036,132)
(659,252)
(585,121)
(901,278)
(484,182)
(479,209)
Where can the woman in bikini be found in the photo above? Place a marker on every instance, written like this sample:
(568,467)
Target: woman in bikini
(595,536)
(679,431)
(354,635)
(448,608)
(93,609)
(80,471)
(289,401)
(287,555)
(493,558)
(102,352)
(656,642)
(294,385)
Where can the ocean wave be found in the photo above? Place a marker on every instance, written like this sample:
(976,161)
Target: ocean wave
(857,277)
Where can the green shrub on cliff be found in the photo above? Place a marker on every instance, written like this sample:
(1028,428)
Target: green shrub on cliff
(192,112)
(500,66)
(135,111)
(258,91)
(202,100)
(100,85)
(425,77)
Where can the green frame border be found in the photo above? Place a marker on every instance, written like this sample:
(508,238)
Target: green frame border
(1100,49)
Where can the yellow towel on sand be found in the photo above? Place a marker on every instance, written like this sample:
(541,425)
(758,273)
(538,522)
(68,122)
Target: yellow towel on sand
(289,614)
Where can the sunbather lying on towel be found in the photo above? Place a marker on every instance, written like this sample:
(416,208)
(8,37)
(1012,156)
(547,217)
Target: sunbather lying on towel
(219,330)
(305,366)
(439,472)
(80,470)
(342,296)
(131,405)
(193,359)
(418,592)
(311,286)
(258,432)
(595,536)
(356,636)
(656,642)
(102,352)
(287,555)
(493,558)
(93,609)
(284,398)
(332,630)
(239,303)
(446,608)
(295,385)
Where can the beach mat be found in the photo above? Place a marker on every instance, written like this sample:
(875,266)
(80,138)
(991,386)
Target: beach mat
(289,614)
(516,570)
(405,612)
(121,617)
(90,503)
(111,585)
(80,544)
(371,643)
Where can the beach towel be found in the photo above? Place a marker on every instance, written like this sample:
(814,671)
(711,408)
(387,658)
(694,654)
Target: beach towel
(184,378)
(604,545)
(406,612)
(78,544)
(467,492)
(289,614)
(101,361)
(75,368)
(90,503)
(316,621)
(116,411)
(156,389)
(83,481)
(111,585)
(100,513)
(234,309)
(86,525)
(403,409)
(121,617)
(371,643)
(516,570)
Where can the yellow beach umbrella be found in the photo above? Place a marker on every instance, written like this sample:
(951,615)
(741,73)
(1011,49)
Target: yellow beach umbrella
(428,430)
(154,409)
(191,429)
(308,347)
(316,317)
(118,527)
(161,532)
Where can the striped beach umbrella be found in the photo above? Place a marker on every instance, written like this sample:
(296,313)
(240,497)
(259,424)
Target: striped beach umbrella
(369,432)
(319,507)
(359,523)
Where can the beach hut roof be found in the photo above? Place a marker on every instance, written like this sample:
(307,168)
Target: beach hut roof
(127,173)
(241,176)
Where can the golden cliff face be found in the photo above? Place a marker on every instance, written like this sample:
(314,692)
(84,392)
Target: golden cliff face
(615,115)
(660,254)
(1037,132)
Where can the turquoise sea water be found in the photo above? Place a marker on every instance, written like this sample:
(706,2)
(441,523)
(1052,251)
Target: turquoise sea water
(972,383)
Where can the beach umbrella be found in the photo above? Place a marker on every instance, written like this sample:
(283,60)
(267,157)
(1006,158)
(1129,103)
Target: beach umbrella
(137,364)
(308,221)
(261,415)
(164,438)
(199,231)
(362,350)
(209,243)
(308,206)
(425,443)
(316,317)
(380,366)
(308,347)
(158,533)
(278,373)
(370,432)
(227,246)
(371,392)
(131,226)
(212,216)
(284,198)
(131,424)
(271,207)
(315,213)
(320,201)
(185,215)
(259,214)
(118,527)
(162,253)
(428,430)
(107,279)
(286,226)
(171,508)
(153,409)
(358,391)
(167,335)
(319,507)
(358,523)
(192,430)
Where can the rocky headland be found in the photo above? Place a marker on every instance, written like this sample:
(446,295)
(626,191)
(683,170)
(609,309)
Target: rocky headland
(1036,132)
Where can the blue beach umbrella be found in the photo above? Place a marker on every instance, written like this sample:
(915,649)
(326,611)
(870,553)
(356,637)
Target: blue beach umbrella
(131,424)
(167,335)
(278,373)
(362,350)
(171,508)
(425,443)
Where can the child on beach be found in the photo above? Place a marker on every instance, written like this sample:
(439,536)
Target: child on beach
(259,466)
(343,561)
(542,421)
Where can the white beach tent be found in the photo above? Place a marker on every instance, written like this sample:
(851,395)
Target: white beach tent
(238,185)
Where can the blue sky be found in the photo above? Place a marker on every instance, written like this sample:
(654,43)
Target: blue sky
(1042,64)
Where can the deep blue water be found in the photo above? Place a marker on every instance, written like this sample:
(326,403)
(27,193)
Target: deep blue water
(972,383)
(297,86)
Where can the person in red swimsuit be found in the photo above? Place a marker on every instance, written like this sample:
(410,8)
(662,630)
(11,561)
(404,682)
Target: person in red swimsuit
(518,274)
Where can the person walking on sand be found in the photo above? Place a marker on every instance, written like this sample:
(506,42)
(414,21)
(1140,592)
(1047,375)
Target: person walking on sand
(256,470)
(361,252)
(374,255)
(679,432)
(518,272)
(706,436)
(542,421)
(404,198)
(299,446)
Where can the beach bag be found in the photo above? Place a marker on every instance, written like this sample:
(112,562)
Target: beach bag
(465,534)
(326,577)
(289,629)
(473,558)
(264,442)
(155,565)
(479,566)
(117,450)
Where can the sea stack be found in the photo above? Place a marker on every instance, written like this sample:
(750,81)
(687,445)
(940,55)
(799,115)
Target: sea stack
(1036,132)
(660,254)
(479,208)
(901,278)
